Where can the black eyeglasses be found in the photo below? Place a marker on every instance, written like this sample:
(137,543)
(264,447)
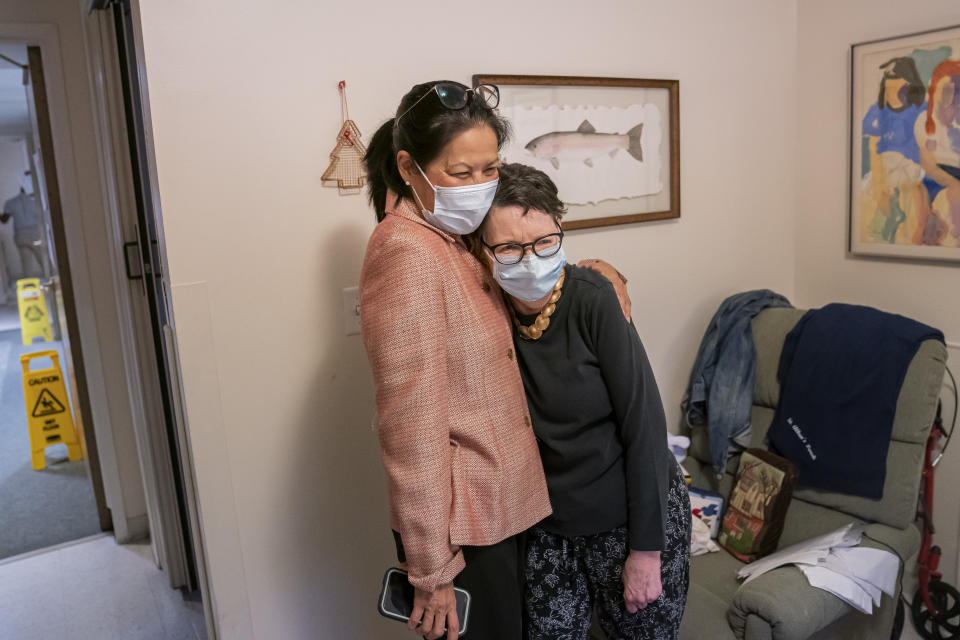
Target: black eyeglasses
(513,252)
(455,96)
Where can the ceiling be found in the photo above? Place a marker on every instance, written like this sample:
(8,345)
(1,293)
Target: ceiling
(13,98)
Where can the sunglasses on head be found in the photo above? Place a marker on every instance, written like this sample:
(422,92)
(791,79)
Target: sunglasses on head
(456,96)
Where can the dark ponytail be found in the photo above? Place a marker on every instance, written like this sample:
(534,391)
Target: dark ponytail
(422,132)
(382,172)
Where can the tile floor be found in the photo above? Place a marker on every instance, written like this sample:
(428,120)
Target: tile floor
(93,589)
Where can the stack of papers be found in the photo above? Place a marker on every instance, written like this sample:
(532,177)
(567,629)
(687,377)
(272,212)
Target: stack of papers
(834,563)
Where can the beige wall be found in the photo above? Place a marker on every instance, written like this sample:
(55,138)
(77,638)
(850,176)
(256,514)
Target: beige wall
(80,183)
(279,400)
(825,273)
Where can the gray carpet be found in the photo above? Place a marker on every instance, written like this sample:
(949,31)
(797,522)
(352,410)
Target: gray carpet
(37,508)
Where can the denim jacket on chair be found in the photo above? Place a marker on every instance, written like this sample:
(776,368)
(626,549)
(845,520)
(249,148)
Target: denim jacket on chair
(720,393)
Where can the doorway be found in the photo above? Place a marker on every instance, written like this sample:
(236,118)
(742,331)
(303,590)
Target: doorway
(117,417)
(102,217)
(50,488)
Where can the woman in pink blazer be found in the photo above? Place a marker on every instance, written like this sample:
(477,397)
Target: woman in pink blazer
(463,469)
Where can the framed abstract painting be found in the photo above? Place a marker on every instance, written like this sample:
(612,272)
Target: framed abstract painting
(905,147)
(612,145)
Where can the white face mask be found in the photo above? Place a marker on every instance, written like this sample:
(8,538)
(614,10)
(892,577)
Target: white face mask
(532,278)
(458,210)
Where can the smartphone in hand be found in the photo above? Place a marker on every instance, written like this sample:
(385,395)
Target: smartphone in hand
(396,599)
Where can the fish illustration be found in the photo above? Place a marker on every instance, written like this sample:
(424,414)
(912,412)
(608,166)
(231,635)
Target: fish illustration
(585,144)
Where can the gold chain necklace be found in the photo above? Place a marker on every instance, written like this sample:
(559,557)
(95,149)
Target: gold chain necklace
(535,330)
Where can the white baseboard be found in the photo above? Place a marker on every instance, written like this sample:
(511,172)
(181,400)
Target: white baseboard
(134,529)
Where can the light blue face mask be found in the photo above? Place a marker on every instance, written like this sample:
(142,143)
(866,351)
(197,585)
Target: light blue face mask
(458,210)
(532,278)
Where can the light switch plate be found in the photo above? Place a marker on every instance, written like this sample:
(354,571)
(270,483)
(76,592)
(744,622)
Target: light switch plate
(351,310)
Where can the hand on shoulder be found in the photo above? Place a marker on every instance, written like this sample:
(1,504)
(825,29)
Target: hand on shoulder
(616,278)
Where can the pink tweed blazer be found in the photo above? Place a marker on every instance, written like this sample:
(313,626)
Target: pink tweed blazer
(461,458)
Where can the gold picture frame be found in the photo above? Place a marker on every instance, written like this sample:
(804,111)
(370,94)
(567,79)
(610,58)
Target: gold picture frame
(607,174)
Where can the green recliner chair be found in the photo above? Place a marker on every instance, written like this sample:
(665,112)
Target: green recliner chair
(781,604)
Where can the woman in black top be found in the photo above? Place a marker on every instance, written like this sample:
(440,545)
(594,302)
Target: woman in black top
(619,536)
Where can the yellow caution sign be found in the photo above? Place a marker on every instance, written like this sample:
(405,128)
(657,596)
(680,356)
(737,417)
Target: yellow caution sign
(34,319)
(48,409)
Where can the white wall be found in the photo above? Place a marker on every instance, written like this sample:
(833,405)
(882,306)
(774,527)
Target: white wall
(80,184)
(14,117)
(245,112)
(825,273)
(12,166)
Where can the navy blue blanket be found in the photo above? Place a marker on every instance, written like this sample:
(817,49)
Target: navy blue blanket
(840,373)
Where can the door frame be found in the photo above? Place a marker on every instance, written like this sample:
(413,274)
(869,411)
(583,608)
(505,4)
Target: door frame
(116,143)
(111,134)
(51,186)
(117,197)
(66,218)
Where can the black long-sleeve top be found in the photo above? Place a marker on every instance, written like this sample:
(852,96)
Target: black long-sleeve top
(598,416)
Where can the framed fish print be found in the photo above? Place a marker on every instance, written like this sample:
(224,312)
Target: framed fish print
(905,147)
(611,145)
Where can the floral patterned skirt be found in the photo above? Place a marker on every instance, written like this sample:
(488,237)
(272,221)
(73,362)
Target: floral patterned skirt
(567,577)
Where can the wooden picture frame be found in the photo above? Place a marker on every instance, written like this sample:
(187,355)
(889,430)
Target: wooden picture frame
(619,165)
(904,151)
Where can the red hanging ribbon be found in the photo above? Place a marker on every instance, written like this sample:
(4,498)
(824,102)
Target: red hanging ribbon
(344,110)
